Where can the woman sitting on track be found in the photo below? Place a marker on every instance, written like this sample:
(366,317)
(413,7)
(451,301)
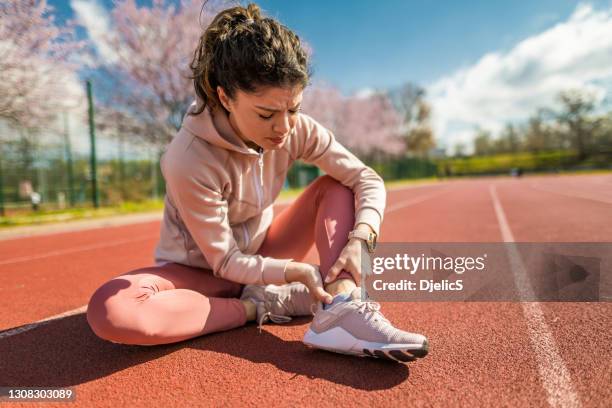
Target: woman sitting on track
(222,260)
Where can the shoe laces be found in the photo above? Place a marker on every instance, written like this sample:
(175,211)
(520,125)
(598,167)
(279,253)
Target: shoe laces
(364,306)
(313,308)
(279,319)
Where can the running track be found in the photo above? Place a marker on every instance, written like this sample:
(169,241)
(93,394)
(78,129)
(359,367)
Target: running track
(482,354)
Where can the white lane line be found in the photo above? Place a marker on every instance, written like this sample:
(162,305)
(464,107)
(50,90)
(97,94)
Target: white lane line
(416,200)
(553,372)
(414,186)
(45,230)
(572,194)
(31,326)
(75,249)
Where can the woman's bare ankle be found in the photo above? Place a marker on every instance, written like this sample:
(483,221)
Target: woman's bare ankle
(250,309)
(340,286)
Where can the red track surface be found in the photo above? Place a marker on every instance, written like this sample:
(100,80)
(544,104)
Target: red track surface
(482,354)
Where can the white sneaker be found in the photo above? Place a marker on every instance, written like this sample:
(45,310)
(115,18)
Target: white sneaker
(352,326)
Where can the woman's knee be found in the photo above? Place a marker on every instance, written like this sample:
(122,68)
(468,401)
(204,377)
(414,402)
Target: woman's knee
(105,307)
(336,189)
(331,184)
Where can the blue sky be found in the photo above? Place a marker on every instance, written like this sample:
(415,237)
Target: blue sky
(384,43)
(380,44)
(483,63)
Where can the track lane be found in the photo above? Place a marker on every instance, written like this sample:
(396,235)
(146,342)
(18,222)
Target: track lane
(581,330)
(480,352)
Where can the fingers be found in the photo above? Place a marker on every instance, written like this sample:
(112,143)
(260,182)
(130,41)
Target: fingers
(341,264)
(321,295)
(334,271)
(315,286)
(356,276)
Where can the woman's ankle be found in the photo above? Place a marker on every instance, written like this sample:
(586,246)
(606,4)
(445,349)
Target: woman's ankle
(344,285)
(251,310)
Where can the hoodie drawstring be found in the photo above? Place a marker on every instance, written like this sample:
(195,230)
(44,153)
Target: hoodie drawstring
(260,160)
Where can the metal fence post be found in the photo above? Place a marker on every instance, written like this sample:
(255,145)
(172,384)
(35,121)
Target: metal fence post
(1,189)
(92,137)
(68,152)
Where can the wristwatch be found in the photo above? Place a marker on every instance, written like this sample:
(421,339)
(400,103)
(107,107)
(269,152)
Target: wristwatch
(368,237)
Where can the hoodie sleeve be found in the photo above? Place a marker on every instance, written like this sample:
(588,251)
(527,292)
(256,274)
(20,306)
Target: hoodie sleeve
(203,209)
(318,146)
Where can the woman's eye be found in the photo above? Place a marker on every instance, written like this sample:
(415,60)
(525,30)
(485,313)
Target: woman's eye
(293,112)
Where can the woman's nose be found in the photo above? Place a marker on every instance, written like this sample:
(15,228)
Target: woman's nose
(283,125)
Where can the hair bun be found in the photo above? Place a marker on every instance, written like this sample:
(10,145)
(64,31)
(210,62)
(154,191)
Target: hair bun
(253,12)
(246,16)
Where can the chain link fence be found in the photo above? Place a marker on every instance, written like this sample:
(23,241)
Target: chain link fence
(51,168)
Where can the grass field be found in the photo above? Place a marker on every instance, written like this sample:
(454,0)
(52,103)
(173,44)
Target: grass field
(27,217)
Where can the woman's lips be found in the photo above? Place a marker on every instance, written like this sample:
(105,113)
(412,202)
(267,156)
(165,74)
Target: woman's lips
(276,140)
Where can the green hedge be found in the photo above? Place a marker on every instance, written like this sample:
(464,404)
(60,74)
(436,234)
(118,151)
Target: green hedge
(503,163)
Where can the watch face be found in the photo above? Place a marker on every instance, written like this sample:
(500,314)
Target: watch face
(371,242)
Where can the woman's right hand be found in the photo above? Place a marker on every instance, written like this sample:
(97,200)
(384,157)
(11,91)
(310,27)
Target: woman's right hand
(309,275)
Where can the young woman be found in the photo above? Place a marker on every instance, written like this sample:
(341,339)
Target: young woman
(223,171)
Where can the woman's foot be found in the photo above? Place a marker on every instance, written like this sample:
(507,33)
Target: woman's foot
(278,303)
(352,326)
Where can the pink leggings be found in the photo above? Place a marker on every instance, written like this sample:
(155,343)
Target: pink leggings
(173,302)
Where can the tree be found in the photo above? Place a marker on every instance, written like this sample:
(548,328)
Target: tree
(509,141)
(325,104)
(406,100)
(37,62)
(603,134)
(483,145)
(371,126)
(153,48)
(416,113)
(539,136)
(367,125)
(576,107)
(459,150)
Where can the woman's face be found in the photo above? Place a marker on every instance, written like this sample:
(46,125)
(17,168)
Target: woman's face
(266,117)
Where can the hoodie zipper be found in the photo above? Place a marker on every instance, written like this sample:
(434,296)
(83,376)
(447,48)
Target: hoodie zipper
(245,232)
(259,183)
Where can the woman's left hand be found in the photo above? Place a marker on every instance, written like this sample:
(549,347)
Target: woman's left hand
(349,260)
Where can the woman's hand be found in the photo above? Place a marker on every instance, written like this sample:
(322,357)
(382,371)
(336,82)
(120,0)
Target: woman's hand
(349,260)
(309,275)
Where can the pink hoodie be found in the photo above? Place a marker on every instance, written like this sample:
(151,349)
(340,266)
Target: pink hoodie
(220,194)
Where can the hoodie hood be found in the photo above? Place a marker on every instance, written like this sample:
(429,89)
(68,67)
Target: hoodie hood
(215,129)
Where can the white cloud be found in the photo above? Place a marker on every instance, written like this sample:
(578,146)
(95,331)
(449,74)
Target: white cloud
(364,93)
(503,87)
(96,20)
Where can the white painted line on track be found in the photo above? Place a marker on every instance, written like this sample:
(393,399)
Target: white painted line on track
(415,186)
(572,194)
(20,232)
(75,249)
(416,200)
(31,326)
(553,372)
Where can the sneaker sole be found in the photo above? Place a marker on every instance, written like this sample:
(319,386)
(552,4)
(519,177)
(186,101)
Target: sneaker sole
(339,340)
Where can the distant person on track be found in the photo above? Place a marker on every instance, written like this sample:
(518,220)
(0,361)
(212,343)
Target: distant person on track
(222,259)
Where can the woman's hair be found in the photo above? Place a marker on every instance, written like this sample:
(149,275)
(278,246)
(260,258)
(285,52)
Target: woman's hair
(241,50)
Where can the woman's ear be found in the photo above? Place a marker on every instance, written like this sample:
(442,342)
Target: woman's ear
(223,98)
